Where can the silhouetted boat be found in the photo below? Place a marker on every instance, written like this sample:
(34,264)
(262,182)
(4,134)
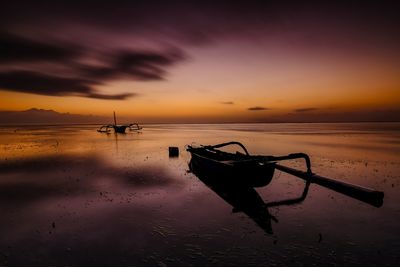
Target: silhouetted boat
(119,128)
(255,170)
(239,168)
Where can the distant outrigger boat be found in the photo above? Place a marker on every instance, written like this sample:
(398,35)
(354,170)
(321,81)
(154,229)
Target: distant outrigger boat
(119,128)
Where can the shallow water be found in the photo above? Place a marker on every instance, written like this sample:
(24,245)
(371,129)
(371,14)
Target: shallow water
(70,196)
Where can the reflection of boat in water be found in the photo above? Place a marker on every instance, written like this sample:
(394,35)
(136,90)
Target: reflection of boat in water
(243,198)
(243,169)
(233,176)
(119,128)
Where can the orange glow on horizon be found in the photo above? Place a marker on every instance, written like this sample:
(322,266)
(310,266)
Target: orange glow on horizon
(197,90)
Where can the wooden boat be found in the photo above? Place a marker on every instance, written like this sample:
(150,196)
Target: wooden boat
(256,170)
(119,128)
(236,168)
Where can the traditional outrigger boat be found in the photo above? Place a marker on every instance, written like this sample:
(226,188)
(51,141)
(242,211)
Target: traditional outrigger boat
(256,170)
(119,128)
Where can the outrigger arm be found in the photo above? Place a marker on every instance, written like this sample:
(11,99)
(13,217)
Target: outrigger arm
(367,195)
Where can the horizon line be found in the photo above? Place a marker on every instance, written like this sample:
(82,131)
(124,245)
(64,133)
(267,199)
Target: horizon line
(152,123)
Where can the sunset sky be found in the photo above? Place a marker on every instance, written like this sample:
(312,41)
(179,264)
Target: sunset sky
(217,61)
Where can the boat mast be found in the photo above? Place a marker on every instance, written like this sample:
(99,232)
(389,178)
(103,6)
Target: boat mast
(115,119)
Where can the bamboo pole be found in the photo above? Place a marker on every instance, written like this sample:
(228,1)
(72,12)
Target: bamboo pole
(367,195)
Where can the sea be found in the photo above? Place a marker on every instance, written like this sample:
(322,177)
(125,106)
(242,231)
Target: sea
(71,196)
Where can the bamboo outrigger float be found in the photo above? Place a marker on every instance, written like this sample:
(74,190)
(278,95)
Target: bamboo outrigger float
(119,128)
(255,170)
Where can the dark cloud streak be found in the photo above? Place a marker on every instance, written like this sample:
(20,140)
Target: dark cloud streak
(37,83)
(111,97)
(257,108)
(136,65)
(26,56)
(16,49)
(31,82)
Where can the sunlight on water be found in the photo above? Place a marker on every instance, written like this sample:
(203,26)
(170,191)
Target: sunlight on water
(72,196)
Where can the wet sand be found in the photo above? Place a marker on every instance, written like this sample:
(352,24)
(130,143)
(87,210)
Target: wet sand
(70,196)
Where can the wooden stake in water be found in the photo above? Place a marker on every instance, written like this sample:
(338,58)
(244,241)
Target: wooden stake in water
(115,119)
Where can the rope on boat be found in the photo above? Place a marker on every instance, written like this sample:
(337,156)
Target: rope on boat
(229,143)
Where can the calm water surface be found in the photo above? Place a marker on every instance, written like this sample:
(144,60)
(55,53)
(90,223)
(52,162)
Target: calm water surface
(70,196)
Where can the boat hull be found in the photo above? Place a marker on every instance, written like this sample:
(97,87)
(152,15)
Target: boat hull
(120,128)
(243,171)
